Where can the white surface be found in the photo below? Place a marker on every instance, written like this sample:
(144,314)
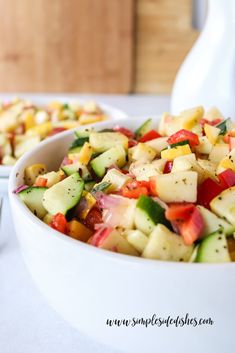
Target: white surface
(42,100)
(87,285)
(27,323)
(206,77)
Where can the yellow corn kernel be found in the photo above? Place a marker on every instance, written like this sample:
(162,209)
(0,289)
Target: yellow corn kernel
(91,201)
(89,118)
(85,153)
(174,152)
(78,231)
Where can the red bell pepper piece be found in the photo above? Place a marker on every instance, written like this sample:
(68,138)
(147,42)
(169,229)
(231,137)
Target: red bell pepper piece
(153,186)
(128,133)
(191,229)
(179,211)
(132,143)
(59,223)
(227,178)
(42,182)
(151,135)
(213,122)
(207,191)
(134,189)
(168,166)
(183,135)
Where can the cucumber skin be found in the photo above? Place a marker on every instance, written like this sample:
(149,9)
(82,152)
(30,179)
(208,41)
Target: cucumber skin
(202,255)
(51,202)
(23,196)
(79,142)
(153,210)
(143,129)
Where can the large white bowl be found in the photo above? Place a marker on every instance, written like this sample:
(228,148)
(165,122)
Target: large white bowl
(110,111)
(87,286)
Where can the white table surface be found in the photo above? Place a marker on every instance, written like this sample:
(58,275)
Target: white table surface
(27,323)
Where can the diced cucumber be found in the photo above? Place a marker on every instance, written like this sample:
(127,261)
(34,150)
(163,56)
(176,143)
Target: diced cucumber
(104,185)
(64,195)
(79,142)
(89,185)
(137,239)
(181,143)
(214,223)
(167,246)
(143,129)
(224,126)
(116,179)
(81,168)
(82,133)
(214,249)
(32,197)
(149,213)
(115,155)
(103,141)
(75,150)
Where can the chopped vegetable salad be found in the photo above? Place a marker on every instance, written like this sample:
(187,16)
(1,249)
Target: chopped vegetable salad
(23,125)
(165,193)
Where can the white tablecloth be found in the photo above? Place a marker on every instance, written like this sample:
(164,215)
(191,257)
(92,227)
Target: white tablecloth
(27,323)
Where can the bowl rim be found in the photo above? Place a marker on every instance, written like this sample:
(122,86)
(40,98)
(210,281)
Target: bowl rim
(5,170)
(127,259)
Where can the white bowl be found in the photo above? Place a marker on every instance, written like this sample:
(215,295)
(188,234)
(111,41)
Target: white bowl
(87,286)
(111,112)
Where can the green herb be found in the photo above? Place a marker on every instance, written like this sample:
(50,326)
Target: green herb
(79,142)
(224,126)
(101,186)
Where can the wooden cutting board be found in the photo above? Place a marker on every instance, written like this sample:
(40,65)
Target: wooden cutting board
(164,35)
(66,45)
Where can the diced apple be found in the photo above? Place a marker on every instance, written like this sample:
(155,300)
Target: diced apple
(218,152)
(167,246)
(141,152)
(116,178)
(177,187)
(158,144)
(143,171)
(213,114)
(204,146)
(111,239)
(212,133)
(224,205)
(24,143)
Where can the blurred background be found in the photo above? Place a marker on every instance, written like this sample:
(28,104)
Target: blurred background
(96,46)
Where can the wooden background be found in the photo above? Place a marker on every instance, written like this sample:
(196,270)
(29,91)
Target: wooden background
(111,46)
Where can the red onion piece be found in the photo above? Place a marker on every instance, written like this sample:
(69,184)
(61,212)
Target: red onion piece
(106,201)
(20,188)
